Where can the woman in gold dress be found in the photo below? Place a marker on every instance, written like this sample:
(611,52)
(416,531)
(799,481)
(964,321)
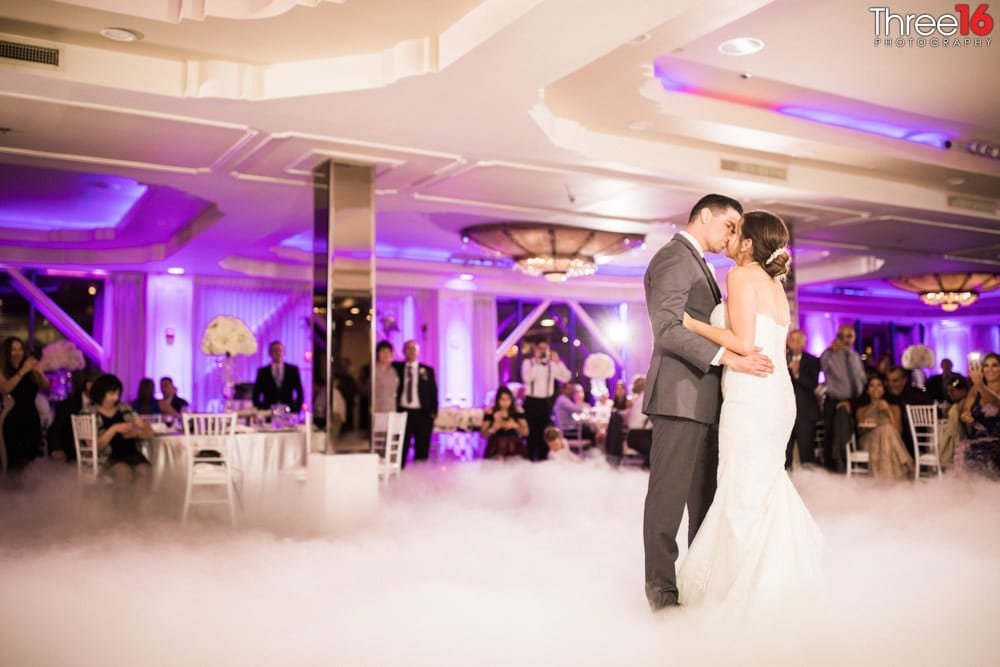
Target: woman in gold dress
(880,426)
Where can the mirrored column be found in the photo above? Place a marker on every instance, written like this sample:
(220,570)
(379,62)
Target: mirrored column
(343,297)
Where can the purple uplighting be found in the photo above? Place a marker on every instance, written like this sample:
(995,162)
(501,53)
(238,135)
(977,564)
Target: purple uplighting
(891,130)
(64,200)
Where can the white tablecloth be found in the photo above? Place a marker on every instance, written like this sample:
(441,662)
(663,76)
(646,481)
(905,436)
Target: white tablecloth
(260,457)
(458,419)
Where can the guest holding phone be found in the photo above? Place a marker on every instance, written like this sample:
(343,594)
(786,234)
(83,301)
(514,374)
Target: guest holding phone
(981,416)
(504,427)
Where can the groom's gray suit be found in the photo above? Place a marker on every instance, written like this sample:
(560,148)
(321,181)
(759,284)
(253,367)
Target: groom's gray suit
(682,399)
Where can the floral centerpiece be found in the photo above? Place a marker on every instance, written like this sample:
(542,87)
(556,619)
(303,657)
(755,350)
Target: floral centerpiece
(59,359)
(915,359)
(598,367)
(229,336)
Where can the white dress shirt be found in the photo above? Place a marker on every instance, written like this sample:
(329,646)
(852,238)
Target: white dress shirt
(637,421)
(711,269)
(408,368)
(537,376)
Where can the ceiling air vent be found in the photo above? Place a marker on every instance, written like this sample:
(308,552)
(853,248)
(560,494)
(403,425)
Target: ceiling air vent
(29,53)
(977,204)
(754,169)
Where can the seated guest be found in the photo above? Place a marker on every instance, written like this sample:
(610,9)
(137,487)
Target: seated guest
(119,430)
(504,427)
(630,425)
(145,402)
(954,432)
(640,428)
(571,410)
(902,393)
(558,449)
(619,396)
(60,436)
(981,416)
(880,424)
(937,385)
(171,403)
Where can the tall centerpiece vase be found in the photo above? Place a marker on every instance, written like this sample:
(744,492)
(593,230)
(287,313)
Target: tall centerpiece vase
(224,337)
(228,387)
(59,359)
(599,367)
(60,384)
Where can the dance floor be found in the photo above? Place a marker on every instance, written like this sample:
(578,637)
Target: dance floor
(481,563)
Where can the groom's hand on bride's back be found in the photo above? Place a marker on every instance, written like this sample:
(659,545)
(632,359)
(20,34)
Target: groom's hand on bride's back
(754,363)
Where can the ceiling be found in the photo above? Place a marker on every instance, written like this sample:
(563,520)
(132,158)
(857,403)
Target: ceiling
(602,115)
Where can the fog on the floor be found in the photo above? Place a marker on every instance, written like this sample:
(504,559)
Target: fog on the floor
(484,563)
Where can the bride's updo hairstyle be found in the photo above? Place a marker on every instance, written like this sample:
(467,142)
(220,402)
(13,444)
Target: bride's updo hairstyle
(770,242)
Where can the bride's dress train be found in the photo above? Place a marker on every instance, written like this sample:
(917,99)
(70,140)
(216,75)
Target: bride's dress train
(758,545)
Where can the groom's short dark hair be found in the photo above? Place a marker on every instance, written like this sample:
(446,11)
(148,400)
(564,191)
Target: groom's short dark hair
(716,204)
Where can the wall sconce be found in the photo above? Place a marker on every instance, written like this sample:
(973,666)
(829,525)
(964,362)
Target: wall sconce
(169,333)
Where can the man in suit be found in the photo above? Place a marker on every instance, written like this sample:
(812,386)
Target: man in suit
(900,392)
(417,396)
(804,369)
(937,385)
(682,395)
(845,381)
(278,382)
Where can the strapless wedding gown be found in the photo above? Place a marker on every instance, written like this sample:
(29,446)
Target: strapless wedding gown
(758,545)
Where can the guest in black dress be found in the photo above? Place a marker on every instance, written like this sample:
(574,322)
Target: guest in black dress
(20,380)
(505,427)
(119,430)
(145,402)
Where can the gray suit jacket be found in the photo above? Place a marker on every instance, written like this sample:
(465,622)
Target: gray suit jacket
(681,381)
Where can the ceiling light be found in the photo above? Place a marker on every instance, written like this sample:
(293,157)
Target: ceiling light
(741,46)
(466,276)
(949,290)
(92,290)
(556,252)
(548,322)
(175,271)
(984,148)
(120,34)
(355,310)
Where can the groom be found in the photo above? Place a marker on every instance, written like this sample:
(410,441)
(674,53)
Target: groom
(682,388)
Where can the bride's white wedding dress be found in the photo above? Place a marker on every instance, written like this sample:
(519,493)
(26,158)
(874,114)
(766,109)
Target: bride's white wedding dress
(758,544)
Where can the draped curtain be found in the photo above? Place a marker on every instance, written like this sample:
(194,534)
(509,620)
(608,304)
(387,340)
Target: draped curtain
(485,376)
(123,329)
(273,310)
(405,314)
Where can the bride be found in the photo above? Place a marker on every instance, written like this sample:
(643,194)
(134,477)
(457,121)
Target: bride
(758,544)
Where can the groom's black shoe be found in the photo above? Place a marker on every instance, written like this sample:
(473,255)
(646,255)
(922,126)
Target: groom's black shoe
(664,608)
(660,599)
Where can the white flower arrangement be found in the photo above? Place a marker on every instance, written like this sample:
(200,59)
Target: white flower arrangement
(598,366)
(62,355)
(918,356)
(228,335)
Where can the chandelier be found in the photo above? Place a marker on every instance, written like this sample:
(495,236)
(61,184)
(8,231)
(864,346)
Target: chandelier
(556,252)
(949,290)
